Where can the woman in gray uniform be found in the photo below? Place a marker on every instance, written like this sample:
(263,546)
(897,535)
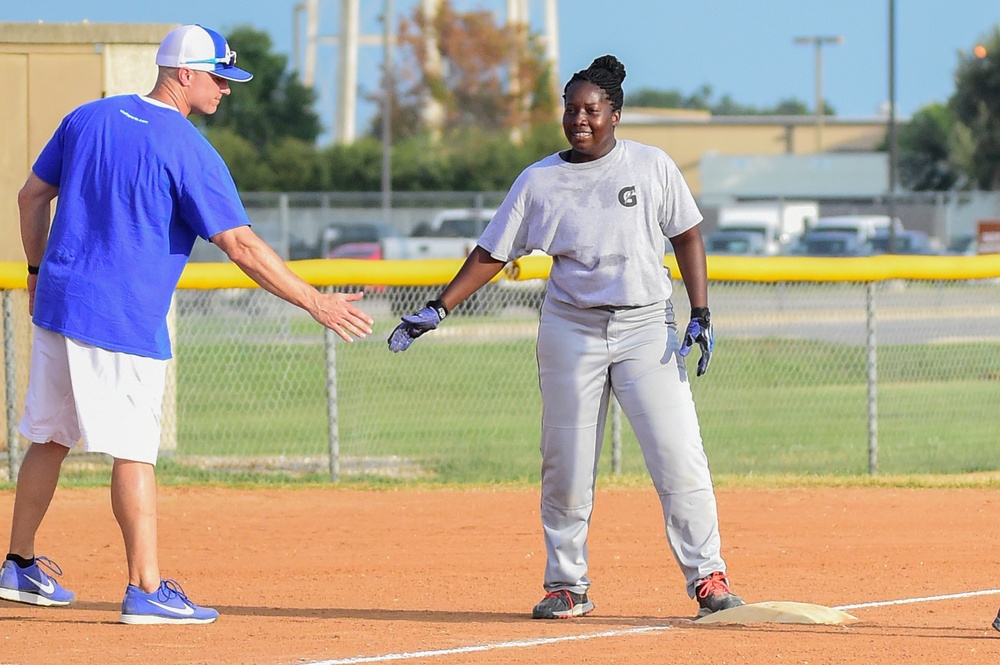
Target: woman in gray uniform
(603,209)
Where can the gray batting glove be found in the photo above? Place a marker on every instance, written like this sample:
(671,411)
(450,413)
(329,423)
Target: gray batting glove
(699,332)
(416,324)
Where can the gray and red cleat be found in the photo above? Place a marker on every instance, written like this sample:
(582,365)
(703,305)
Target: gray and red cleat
(713,594)
(562,604)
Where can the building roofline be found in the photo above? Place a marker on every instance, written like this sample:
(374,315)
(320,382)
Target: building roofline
(84,32)
(648,116)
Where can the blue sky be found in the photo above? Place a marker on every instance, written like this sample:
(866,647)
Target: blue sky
(743,49)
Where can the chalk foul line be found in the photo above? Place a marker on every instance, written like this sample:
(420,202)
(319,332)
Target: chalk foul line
(925,599)
(520,644)
(490,647)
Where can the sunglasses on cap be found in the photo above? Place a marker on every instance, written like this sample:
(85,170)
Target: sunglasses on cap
(229,60)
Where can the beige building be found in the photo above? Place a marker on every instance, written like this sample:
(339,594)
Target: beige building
(48,69)
(687,136)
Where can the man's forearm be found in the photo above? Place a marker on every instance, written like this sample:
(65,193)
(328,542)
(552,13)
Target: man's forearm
(263,265)
(34,203)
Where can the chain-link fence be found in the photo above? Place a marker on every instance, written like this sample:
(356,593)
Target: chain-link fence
(891,376)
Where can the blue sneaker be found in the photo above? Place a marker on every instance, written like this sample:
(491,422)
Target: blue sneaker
(31,585)
(168,604)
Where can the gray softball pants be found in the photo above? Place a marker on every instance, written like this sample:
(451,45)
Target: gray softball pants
(584,354)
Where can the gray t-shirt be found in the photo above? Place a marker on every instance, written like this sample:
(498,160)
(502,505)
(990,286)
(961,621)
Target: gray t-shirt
(604,223)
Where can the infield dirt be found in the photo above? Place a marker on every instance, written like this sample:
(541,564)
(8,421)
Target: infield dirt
(315,574)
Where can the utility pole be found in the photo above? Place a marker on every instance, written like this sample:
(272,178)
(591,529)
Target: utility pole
(818,41)
(893,175)
(388,87)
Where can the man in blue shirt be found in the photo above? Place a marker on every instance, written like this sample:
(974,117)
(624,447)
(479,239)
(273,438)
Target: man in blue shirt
(137,184)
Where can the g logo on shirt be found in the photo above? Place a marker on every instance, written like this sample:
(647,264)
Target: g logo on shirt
(627,197)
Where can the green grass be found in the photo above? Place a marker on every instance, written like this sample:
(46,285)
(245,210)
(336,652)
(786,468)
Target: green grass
(470,412)
(388,405)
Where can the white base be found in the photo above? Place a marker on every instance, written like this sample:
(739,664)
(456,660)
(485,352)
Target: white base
(779,612)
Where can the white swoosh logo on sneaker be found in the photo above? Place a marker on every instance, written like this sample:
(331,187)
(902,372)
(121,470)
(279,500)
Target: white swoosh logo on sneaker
(48,587)
(183,611)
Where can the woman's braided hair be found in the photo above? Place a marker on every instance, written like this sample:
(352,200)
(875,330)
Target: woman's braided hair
(607,73)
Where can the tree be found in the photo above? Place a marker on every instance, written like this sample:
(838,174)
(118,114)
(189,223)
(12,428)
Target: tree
(701,99)
(420,165)
(795,107)
(494,77)
(249,172)
(485,161)
(976,108)
(354,167)
(274,105)
(670,99)
(405,119)
(296,165)
(926,146)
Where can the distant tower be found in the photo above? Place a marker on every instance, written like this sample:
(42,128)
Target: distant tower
(349,39)
(345,115)
(552,43)
(433,110)
(518,12)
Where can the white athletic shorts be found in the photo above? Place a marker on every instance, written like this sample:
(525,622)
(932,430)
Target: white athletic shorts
(111,400)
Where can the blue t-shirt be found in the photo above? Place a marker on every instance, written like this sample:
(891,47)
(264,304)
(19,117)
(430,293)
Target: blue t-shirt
(138,183)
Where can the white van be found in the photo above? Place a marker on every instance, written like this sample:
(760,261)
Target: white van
(778,223)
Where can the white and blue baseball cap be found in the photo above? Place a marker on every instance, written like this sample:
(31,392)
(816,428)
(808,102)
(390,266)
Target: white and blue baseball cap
(201,49)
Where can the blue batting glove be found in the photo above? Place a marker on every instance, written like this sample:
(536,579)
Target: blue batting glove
(699,332)
(416,324)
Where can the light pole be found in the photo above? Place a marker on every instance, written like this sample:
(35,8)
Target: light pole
(818,41)
(893,141)
(388,87)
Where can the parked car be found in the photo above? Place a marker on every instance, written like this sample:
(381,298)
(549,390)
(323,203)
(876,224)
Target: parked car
(966,244)
(906,242)
(460,222)
(342,233)
(733,242)
(370,251)
(831,243)
(864,226)
(356,250)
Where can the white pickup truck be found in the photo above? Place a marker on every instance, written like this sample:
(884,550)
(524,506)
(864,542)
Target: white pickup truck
(452,234)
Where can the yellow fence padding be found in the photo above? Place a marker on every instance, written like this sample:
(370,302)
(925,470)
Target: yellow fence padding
(860,269)
(812,269)
(342,272)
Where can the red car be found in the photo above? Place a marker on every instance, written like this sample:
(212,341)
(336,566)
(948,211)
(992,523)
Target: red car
(356,250)
(359,250)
